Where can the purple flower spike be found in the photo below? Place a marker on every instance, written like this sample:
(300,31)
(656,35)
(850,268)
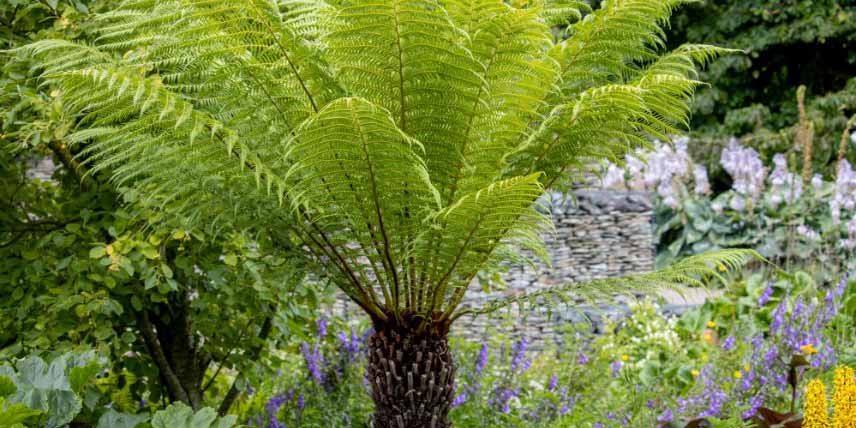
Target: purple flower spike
(482,362)
(322,327)
(765,296)
(519,361)
(728,343)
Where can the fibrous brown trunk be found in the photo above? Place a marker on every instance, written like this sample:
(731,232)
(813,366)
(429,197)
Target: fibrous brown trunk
(412,374)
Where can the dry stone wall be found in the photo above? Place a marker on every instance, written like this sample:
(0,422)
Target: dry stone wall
(598,234)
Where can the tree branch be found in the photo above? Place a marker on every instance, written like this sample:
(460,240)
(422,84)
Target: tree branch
(156,351)
(69,162)
(233,392)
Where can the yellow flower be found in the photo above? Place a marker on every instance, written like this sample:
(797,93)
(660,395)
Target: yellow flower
(625,357)
(746,368)
(695,373)
(737,374)
(708,337)
(808,349)
(814,409)
(722,268)
(711,324)
(844,399)
(704,357)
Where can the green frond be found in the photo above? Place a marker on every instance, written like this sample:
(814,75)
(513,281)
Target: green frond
(470,16)
(362,181)
(564,12)
(694,271)
(406,56)
(471,229)
(215,52)
(611,115)
(143,133)
(55,56)
(605,45)
(516,80)
(306,17)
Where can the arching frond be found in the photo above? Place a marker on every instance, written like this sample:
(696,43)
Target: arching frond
(469,232)
(406,56)
(609,114)
(694,271)
(306,17)
(605,45)
(147,135)
(517,78)
(361,180)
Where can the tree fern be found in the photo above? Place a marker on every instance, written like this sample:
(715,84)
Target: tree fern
(404,142)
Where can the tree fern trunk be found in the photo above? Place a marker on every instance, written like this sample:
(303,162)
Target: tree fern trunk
(411,375)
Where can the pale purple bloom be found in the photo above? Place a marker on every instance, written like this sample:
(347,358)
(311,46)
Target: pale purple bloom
(817,182)
(459,399)
(322,327)
(765,296)
(616,368)
(702,184)
(553,382)
(519,361)
(314,359)
(482,361)
(728,343)
(744,166)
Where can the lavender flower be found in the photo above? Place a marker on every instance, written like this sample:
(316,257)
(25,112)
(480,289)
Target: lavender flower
(583,360)
(322,327)
(785,186)
(728,343)
(349,345)
(765,296)
(754,403)
(667,416)
(614,177)
(314,359)
(616,368)
(519,361)
(817,182)
(482,361)
(459,399)
(553,382)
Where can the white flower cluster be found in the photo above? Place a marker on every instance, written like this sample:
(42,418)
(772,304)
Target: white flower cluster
(785,185)
(651,331)
(744,166)
(850,242)
(808,233)
(845,191)
(661,169)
